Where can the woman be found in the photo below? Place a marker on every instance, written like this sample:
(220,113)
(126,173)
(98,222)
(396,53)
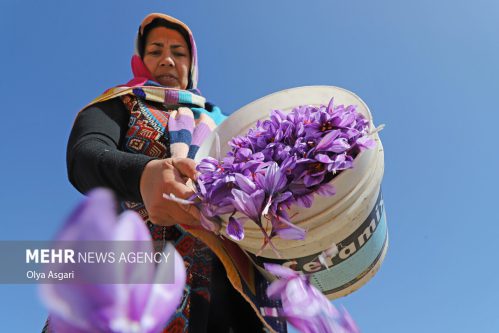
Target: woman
(138,139)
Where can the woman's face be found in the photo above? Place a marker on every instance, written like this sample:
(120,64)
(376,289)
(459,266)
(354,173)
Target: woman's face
(167,57)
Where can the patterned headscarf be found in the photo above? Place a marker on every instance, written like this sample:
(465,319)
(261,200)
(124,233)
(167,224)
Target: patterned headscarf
(137,66)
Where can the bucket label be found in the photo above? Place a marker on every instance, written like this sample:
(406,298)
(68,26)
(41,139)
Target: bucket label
(357,255)
(358,265)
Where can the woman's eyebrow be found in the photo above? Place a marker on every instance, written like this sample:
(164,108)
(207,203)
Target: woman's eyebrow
(174,46)
(157,44)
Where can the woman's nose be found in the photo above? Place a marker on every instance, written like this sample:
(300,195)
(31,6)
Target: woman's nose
(167,60)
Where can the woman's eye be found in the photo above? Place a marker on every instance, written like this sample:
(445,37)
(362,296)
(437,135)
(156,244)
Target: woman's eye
(180,54)
(154,53)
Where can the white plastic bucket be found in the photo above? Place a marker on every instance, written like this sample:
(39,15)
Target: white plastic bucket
(353,219)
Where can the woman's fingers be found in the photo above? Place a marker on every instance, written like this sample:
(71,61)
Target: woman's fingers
(186,167)
(168,176)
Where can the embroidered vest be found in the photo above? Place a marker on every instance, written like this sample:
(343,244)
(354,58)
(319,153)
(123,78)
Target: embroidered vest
(148,135)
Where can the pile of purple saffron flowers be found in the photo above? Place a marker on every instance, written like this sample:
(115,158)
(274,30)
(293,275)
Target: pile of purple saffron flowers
(283,161)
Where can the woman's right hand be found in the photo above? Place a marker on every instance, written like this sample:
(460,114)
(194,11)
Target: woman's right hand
(169,176)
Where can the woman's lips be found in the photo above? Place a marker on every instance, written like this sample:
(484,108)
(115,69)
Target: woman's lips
(167,79)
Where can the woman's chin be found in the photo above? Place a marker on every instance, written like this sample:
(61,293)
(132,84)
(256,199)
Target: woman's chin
(169,83)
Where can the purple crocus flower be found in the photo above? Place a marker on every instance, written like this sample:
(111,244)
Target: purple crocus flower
(336,163)
(245,183)
(235,228)
(272,183)
(304,306)
(365,142)
(210,169)
(282,227)
(333,142)
(124,307)
(249,204)
(311,171)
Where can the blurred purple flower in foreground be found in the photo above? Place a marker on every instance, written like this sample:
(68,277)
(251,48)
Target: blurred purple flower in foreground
(124,307)
(304,306)
(282,161)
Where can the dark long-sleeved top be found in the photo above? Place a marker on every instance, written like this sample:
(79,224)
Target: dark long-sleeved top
(93,157)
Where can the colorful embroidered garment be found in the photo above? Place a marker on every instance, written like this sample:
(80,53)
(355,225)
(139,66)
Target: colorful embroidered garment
(190,125)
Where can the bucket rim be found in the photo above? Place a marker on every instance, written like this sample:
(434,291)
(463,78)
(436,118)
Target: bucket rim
(313,87)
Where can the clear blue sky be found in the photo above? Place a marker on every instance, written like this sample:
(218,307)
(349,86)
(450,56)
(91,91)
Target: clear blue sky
(428,69)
